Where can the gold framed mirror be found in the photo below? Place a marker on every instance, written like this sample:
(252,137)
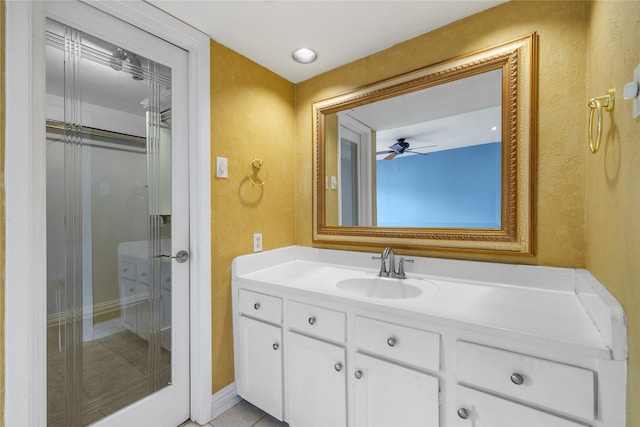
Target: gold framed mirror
(440,158)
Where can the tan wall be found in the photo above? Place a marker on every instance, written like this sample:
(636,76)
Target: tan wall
(613,175)
(560,167)
(251,116)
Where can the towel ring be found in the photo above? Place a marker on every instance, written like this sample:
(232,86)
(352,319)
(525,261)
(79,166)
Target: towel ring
(256,164)
(596,105)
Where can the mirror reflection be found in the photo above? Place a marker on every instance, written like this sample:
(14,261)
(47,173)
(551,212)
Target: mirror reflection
(427,159)
(440,157)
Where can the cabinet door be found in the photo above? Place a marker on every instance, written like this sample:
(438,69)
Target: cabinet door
(129,311)
(316,387)
(259,374)
(479,409)
(387,394)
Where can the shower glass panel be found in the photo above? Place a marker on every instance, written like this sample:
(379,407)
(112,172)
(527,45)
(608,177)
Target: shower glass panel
(108,226)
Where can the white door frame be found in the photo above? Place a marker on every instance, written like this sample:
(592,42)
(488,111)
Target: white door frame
(365,158)
(25,297)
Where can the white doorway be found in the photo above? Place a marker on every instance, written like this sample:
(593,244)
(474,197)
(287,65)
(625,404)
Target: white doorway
(182,394)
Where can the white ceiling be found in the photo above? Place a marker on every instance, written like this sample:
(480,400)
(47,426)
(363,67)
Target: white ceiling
(267,32)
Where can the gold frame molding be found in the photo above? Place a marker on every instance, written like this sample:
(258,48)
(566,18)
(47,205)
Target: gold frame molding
(518,61)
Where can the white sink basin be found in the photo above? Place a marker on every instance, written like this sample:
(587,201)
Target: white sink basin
(385,288)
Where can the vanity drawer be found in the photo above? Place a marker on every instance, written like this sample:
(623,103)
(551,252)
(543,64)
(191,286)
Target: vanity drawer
(318,321)
(260,306)
(402,343)
(128,270)
(555,385)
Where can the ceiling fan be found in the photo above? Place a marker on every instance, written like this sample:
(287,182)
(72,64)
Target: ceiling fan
(401,146)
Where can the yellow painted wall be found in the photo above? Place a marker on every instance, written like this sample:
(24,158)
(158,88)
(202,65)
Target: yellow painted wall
(251,116)
(613,174)
(562,33)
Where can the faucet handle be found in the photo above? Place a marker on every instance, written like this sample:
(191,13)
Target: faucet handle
(401,273)
(383,267)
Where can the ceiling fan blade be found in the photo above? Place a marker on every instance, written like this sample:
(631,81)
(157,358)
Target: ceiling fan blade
(384,152)
(390,156)
(420,148)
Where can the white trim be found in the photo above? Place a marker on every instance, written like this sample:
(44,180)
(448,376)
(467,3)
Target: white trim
(365,156)
(223,400)
(25,308)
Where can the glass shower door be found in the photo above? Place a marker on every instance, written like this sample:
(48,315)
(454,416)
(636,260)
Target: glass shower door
(110,304)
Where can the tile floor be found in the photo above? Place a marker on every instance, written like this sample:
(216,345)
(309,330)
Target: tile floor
(243,414)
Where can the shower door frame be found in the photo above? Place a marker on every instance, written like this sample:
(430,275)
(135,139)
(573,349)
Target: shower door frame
(25,247)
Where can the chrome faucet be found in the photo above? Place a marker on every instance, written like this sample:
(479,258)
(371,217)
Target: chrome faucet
(388,265)
(387,254)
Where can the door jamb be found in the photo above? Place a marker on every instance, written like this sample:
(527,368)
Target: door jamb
(25,302)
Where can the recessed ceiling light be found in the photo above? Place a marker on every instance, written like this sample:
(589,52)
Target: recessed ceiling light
(304,56)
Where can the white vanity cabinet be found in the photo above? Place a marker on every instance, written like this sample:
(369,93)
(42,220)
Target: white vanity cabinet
(546,349)
(259,376)
(480,409)
(133,272)
(391,387)
(315,366)
(388,394)
(536,382)
(316,385)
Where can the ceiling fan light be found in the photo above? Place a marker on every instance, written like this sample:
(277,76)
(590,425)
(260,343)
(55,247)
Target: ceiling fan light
(304,56)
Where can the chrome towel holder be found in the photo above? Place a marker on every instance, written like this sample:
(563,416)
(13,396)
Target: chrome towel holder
(596,105)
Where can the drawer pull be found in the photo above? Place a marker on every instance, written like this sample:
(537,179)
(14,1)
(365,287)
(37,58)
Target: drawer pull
(256,306)
(143,274)
(517,379)
(463,413)
(338,366)
(276,346)
(392,342)
(124,270)
(358,374)
(312,320)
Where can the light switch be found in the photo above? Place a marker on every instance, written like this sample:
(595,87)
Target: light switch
(631,92)
(222,167)
(334,182)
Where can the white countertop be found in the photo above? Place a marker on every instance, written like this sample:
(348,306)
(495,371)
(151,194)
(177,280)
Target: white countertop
(538,304)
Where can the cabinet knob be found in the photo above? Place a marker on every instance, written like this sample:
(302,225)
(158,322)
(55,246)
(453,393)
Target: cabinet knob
(392,342)
(143,274)
(358,374)
(276,346)
(338,366)
(517,379)
(463,413)
(256,306)
(125,270)
(312,320)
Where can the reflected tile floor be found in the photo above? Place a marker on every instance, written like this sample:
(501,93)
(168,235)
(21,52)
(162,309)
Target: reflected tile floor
(243,414)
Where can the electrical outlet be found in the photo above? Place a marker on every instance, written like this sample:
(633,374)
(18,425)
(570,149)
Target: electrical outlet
(257,242)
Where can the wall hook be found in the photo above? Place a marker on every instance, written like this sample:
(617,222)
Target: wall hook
(254,168)
(596,105)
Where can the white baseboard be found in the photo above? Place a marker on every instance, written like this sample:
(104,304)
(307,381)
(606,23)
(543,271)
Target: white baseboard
(224,399)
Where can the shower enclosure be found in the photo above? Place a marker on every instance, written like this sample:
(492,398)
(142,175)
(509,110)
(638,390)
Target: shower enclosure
(109,226)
